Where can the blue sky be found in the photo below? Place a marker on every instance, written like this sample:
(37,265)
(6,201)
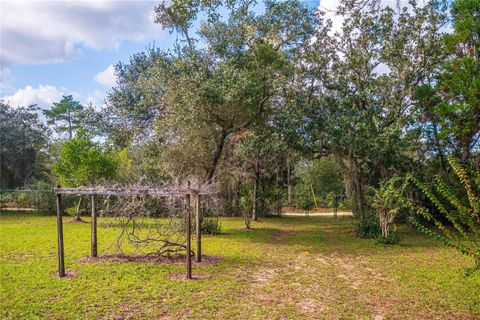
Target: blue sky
(52,48)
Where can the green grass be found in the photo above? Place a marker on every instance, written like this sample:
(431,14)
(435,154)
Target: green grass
(287,268)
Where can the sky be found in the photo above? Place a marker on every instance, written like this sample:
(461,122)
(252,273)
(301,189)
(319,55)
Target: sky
(54,48)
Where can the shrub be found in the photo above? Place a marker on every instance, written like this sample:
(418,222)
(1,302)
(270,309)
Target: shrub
(387,202)
(392,237)
(461,209)
(368,228)
(211,226)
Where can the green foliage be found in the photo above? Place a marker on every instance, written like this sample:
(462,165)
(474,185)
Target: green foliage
(83,162)
(451,107)
(65,115)
(125,169)
(323,176)
(368,228)
(191,102)
(43,199)
(307,203)
(462,210)
(23,138)
(387,202)
(211,226)
(352,109)
(392,238)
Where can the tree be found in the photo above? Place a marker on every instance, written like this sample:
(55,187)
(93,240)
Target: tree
(65,115)
(451,103)
(358,84)
(131,110)
(197,97)
(260,156)
(319,178)
(23,139)
(83,162)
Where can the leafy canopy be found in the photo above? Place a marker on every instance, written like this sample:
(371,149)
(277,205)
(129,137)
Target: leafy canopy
(83,162)
(65,115)
(23,138)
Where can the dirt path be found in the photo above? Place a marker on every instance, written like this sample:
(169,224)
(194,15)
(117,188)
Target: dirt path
(318,214)
(328,286)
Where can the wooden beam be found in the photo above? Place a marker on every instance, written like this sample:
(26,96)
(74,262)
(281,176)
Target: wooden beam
(198,228)
(188,257)
(166,192)
(94,227)
(61,254)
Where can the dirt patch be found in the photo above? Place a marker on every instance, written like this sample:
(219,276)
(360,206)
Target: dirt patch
(181,276)
(264,276)
(68,274)
(310,306)
(128,311)
(75,220)
(280,235)
(154,259)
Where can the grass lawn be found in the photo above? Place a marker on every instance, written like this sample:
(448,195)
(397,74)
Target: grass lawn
(287,268)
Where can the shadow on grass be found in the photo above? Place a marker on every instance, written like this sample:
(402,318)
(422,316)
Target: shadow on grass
(327,235)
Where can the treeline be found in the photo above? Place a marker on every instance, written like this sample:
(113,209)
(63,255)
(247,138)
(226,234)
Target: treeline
(271,104)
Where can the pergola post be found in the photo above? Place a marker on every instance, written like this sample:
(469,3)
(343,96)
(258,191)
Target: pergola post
(198,227)
(165,192)
(188,257)
(94,227)
(61,254)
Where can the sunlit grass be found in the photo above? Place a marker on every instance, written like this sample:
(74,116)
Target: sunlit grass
(284,268)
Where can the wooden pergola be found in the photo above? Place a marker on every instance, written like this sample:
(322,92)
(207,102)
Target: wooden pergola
(187,193)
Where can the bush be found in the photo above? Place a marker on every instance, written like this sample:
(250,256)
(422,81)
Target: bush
(346,204)
(211,226)
(39,197)
(459,203)
(392,237)
(368,228)
(387,202)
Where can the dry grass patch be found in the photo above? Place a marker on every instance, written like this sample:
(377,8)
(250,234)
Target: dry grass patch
(150,259)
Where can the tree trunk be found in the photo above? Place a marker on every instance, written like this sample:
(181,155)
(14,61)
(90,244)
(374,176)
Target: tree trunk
(216,156)
(254,200)
(78,218)
(70,135)
(359,194)
(246,219)
(256,183)
(353,182)
(289,186)
(238,196)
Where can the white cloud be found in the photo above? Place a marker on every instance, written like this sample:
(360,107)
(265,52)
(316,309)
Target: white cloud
(43,96)
(97,98)
(107,77)
(34,32)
